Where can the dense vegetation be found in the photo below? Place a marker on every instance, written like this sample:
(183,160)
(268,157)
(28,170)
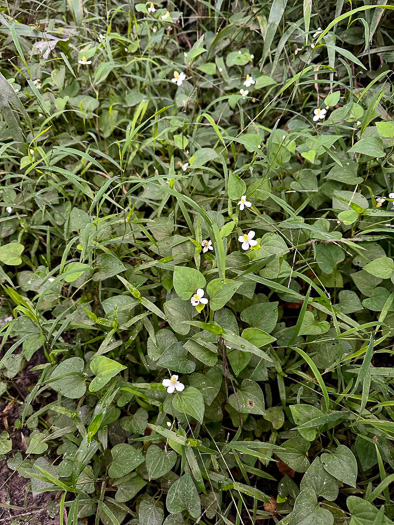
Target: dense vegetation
(196,258)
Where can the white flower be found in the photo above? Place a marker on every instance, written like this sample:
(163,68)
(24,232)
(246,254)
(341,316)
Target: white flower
(244,92)
(16,89)
(243,202)
(9,209)
(391,195)
(151,8)
(319,114)
(198,298)
(37,83)
(101,37)
(319,30)
(173,384)
(166,15)
(178,78)
(380,201)
(84,61)
(249,81)
(5,320)
(31,151)
(154,29)
(51,279)
(185,166)
(247,240)
(312,46)
(206,246)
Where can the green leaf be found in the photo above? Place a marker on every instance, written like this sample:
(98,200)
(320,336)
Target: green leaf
(10,254)
(261,315)
(310,326)
(329,256)
(74,271)
(150,513)
(249,399)
(125,458)
(371,146)
(318,479)
(307,510)
(364,513)
(236,187)
(190,402)
(159,462)
(36,446)
(383,267)
(342,465)
(104,369)
(332,99)
(108,265)
(293,453)
(183,496)
(175,358)
(72,382)
(386,129)
(220,291)
(5,443)
(257,337)
(208,384)
(302,414)
(187,281)
(202,156)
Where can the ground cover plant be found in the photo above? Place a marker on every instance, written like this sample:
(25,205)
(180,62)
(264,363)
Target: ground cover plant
(196,259)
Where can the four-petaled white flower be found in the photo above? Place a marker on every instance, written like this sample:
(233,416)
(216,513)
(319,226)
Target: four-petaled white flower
(244,92)
(185,166)
(243,202)
(391,195)
(380,201)
(173,384)
(151,8)
(178,78)
(166,15)
(247,240)
(206,246)
(37,83)
(319,114)
(9,209)
(249,81)
(84,61)
(198,298)
(101,37)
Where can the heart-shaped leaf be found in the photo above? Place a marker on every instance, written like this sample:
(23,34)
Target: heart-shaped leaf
(183,495)
(104,369)
(187,281)
(159,462)
(71,382)
(307,510)
(190,402)
(125,458)
(312,327)
(10,254)
(249,399)
(319,480)
(342,465)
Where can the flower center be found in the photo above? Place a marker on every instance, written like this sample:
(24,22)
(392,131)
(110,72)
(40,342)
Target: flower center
(243,200)
(246,237)
(205,243)
(196,297)
(173,380)
(176,74)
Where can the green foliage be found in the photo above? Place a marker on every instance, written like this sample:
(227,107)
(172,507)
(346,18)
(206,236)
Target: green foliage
(196,259)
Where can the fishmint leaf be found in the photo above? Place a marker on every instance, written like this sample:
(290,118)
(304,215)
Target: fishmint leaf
(307,510)
(382,267)
(257,337)
(386,129)
(6,443)
(183,496)
(108,265)
(275,416)
(342,465)
(318,479)
(312,327)
(190,402)
(332,99)
(179,313)
(293,453)
(74,271)
(371,146)
(302,414)
(36,446)
(329,256)
(261,315)
(71,382)
(125,458)
(176,359)
(208,384)
(364,513)
(249,399)
(104,369)
(236,187)
(187,281)
(128,487)
(202,156)
(220,291)
(10,254)
(159,462)
(150,513)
